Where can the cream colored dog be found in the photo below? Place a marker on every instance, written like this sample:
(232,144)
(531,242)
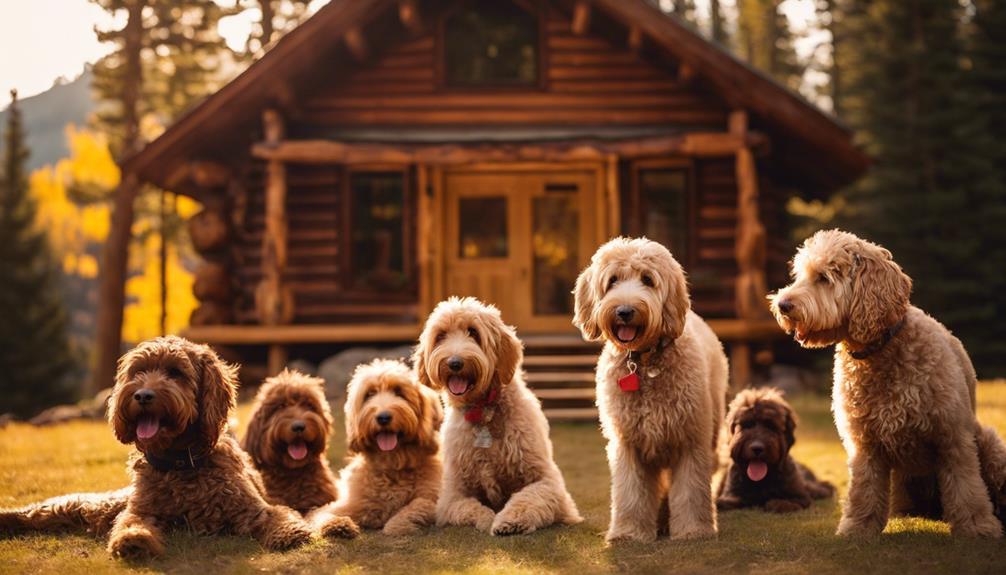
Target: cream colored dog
(499,475)
(904,390)
(661,389)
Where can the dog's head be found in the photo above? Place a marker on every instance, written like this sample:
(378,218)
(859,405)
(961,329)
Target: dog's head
(466,348)
(387,410)
(290,422)
(168,386)
(843,288)
(762,431)
(632,294)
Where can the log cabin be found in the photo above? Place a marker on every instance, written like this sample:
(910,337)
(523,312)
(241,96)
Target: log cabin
(387,154)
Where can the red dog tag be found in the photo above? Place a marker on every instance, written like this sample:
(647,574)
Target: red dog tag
(629,382)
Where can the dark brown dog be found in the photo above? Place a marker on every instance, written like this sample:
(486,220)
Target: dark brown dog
(761,472)
(287,439)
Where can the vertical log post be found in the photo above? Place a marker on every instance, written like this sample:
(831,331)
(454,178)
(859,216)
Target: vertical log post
(581,17)
(750,252)
(273,300)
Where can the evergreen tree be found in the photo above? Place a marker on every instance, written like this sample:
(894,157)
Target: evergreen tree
(717,23)
(927,196)
(766,41)
(35,358)
(685,10)
(277,18)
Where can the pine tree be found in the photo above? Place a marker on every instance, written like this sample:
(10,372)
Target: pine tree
(766,41)
(35,358)
(278,18)
(717,23)
(926,197)
(685,10)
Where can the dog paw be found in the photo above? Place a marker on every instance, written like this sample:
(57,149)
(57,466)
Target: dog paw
(399,528)
(782,506)
(339,527)
(484,520)
(288,537)
(503,528)
(135,545)
(979,527)
(627,535)
(849,528)
(693,532)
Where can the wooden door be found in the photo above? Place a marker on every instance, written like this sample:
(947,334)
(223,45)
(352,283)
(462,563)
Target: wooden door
(518,239)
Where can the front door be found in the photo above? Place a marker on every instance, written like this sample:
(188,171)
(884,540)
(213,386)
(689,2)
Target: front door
(518,239)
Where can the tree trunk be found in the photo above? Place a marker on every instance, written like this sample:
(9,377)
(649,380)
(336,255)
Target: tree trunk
(267,16)
(716,16)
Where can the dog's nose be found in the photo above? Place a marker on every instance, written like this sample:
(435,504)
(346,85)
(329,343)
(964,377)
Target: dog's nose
(625,312)
(298,427)
(383,418)
(757,448)
(455,363)
(144,396)
(786,306)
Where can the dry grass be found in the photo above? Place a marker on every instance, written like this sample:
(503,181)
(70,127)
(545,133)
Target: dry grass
(83,456)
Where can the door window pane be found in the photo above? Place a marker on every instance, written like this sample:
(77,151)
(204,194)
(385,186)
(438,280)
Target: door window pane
(491,43)
(378,230)
(663,197)
(555,244)
(482,225)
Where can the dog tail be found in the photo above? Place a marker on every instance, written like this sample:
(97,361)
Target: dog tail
(78,512)
(992,458)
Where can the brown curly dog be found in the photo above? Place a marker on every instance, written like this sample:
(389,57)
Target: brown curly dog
(393,476)
(287,438)
(171,400)
(761,472)
(499,474)
(904,390)
(661,390)
(93,513)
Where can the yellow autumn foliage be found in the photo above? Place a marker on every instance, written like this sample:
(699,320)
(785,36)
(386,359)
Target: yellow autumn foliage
(74,229)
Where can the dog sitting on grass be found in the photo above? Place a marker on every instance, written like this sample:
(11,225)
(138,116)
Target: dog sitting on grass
(761,472)
(287,439)
(393,476)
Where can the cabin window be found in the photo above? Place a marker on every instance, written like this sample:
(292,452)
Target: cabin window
(663,206)
(482,228)
(491,44)
(377,254)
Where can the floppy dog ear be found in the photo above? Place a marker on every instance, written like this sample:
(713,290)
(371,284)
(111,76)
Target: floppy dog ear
(509,354)
(676,302)
(584,299)
(432,416)
(419,362)
(217,391)
(115,408)
(880,295)
(252,440)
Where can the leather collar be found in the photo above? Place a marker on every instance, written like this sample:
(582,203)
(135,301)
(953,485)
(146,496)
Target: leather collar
(177,459)
(879,344)
(639,356)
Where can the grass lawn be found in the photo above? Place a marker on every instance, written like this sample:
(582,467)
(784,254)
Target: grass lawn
(39,463)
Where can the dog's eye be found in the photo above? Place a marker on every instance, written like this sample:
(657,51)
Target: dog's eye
(647,280)
(370,393)
(398,392)
(823,279)
(474,334)
(440,337)
(175,373)
(747,424)
(612,281)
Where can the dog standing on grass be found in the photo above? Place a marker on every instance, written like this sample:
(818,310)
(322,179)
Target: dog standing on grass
(661,389)
(903,395)
(499,474)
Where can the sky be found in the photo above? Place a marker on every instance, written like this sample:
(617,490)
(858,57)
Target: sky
(43,40)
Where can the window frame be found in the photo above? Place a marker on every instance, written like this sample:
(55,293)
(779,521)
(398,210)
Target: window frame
(636,206)
(345,228)
(537,8)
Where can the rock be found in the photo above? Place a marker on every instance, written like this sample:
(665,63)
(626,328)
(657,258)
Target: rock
(93,408)
(338,369)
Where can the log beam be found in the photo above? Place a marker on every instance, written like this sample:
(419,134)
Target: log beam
(408,13)
(357,44)
(698,144)
(635,38)
(581,17)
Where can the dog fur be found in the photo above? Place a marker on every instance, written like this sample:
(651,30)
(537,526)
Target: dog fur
(513,485)
(390,484)
(661,438)
(906,408)
(287,439)
(92,513)
(762,429)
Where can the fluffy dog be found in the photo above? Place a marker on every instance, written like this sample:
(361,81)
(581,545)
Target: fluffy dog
(93,513)
(499,475)
(171,400)
(392,423)
(661,389)
(904,389)
(287,439)
(761,472)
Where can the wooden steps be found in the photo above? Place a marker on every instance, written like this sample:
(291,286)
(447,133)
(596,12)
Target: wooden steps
(559,369)
(572,414)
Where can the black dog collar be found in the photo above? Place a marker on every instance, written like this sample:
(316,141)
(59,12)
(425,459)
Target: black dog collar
(637,356)
(177,459)
(878,345)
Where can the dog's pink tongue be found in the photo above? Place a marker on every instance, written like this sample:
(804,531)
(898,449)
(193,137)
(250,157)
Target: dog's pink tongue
(626,332)
(757,470)
(297,450)
(147,426)
(387,440)
(457,384)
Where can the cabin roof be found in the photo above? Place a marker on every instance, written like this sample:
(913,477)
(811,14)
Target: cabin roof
(818,148)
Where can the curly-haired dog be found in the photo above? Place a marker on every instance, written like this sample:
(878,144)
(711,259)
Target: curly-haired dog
(661,388)
(499,475)
(171,400)
(761,472)
(904,389)
(287,438)
(392,423)
(93,513)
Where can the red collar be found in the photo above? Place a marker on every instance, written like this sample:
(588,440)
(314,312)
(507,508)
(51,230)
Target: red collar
(476,410)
